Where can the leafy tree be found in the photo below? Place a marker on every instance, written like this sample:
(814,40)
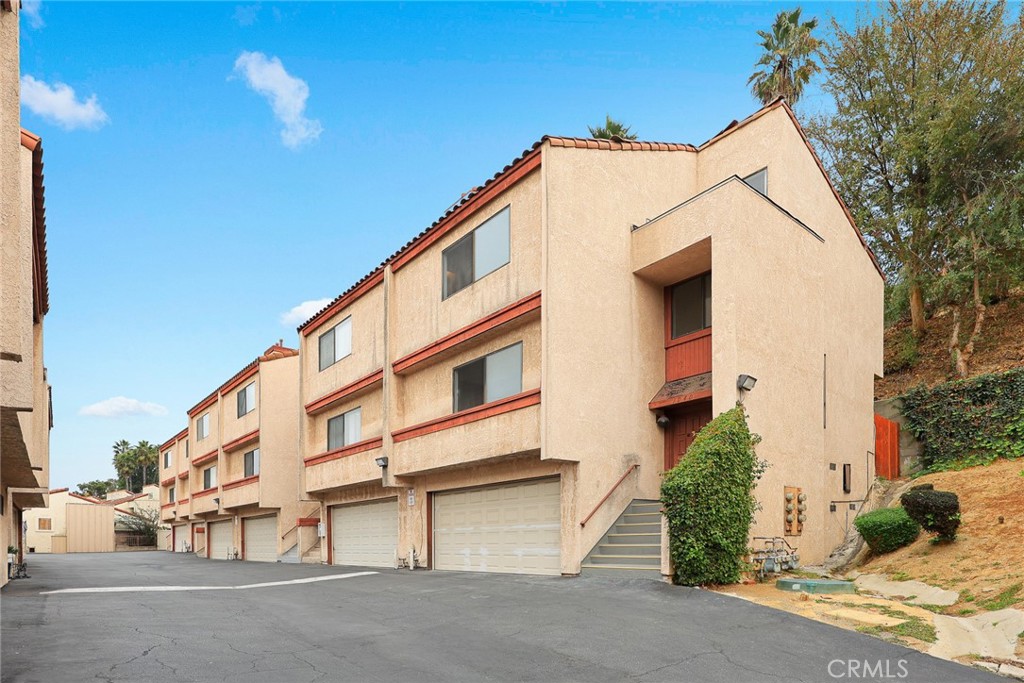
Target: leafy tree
(610,129)
(124,463)
(787,62)
(97,488)
(136,465)
(145,523)
(925,145)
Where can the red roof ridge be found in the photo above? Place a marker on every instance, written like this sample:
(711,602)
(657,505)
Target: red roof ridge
(41,281)
(52,491)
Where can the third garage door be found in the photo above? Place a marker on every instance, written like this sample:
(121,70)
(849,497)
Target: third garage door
(260,538)
(221,535)
(365,535)
(512,528)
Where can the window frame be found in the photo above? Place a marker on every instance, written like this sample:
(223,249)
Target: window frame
(483,358)
(334,343)
(204,421)
(255,463)
(49,524)
(210,477)
(746,179)
(470,236)
(167,459)
(670,337)
(345,442)
(170,494)
(242,404)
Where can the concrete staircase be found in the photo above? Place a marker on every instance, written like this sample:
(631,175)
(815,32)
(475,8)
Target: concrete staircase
(632,546)
(312,555)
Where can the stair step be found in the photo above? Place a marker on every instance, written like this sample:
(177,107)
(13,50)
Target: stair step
(626,560)
(636,517)
(641,539)
(645,507)
(622,571)
(639,528)
(629,549)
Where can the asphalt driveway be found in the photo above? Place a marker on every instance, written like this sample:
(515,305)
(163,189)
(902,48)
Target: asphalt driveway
(410,626)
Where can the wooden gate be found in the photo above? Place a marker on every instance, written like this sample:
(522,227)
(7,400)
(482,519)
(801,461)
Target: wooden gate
(887,448)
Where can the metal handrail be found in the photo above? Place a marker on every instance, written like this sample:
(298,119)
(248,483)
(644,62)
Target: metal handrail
(629,471)
(296,526)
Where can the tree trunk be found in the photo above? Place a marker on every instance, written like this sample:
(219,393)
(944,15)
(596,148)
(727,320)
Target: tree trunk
(916,309)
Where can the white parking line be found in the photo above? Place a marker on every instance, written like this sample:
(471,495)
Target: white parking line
(164,589)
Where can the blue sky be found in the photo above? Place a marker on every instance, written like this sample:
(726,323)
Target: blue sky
(211,166)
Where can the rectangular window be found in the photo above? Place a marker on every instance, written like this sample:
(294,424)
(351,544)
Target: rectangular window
(45,524)
(247,399)
(345,429)
(170,495)
(758,181)
(487,379)
(186,449)
(252,462)
(480,252)
(167,459)
(202,427)
(691,306)
(336,343)
(210,477)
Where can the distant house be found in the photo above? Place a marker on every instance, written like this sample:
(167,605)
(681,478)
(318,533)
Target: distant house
(73,523)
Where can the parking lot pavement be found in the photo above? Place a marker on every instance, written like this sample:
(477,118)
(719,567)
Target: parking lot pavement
(213,621)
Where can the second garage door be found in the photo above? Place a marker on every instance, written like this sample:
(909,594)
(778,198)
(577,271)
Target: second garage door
(365,535)
(260,538)
(220,539)
(512,528)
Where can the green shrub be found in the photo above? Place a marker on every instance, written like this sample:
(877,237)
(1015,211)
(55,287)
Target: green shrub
(936,511)
(887,529)
(906,353)
(923,487)
(709,503)
(968,422)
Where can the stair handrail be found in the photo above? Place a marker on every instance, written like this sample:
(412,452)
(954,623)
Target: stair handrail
(608,495)
(296,526)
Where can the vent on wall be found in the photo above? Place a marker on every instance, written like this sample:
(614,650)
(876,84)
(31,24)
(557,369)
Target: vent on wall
(847,478)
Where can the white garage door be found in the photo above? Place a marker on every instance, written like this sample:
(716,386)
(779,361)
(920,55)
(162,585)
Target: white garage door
(513,528)
(365,535)
(260,538)
(179,537)
(220,539)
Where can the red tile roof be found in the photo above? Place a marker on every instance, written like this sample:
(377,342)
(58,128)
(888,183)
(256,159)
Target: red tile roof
(40,270)
(275,351)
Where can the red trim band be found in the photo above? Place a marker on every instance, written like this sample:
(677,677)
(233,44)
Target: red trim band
(205,492)
(241,482)
(307,521)
(203,459)
(241,441)
(344,301)
(183,475)
(677,400)
(485,324)
(246,374)
(167,482)
(351,449)
(330,399)
(481,412)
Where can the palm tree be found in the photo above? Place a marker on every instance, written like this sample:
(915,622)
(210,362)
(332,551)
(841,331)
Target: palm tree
(146,456)
(610,129)
(124,462)
(787,63)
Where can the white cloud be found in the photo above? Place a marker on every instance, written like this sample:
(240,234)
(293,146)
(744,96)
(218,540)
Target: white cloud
(120,406)
(286,93)
(246,15)
(30,9)
(303,312)
(58,103)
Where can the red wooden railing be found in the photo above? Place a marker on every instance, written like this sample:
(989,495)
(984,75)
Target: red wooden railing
(608,495)
(688,356)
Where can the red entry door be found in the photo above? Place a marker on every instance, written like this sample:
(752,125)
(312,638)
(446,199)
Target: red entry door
(685,423)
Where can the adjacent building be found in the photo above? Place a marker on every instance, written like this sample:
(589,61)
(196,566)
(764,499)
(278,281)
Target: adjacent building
(73,523)
(229,483)
(25,415)
(505,392)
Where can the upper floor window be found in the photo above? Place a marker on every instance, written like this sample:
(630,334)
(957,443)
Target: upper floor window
(170,495)
(489,378)
(480,252)
(202,427)
(759,181)
(251,463)
(167,458)
(336,343)
(247,399)
(345,429)
(45,524)
(691,305)
(186,449)
(210,477)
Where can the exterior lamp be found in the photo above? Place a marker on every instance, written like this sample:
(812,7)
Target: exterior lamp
(382,461)
(745,382)
(216,501)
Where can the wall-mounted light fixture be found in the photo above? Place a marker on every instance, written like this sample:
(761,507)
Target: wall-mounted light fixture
(382,461)
(662,419)
(745,382)
(216,501)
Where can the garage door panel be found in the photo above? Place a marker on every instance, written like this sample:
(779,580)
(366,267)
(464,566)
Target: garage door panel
(221,539)
(513,528)
(366,534)
(260,538)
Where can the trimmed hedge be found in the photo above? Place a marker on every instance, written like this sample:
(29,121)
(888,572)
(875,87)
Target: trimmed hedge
(709,503)
(887,529)
(968,422)
(936,511)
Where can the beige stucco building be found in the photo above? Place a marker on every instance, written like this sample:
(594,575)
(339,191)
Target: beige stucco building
(229,483)
(25,417)
(73,523)
(506,391)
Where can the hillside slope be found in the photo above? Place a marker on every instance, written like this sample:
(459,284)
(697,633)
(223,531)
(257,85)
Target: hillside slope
(1000,347)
